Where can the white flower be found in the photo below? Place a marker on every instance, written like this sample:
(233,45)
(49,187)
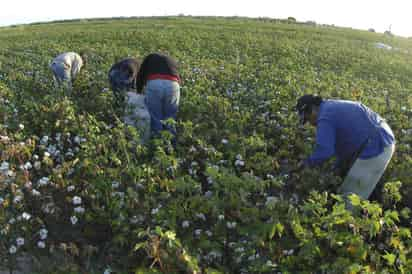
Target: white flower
(79,210)
(77,200)
(26,216)
(20,241)
(225,141)
(41,244)
(21,126)
(115,184)
(221,217)
(185,224)
(70,188)
(73,219)
(43,233)
(12,249)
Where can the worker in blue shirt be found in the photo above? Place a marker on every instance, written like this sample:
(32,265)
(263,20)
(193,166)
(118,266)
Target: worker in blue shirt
(359,138)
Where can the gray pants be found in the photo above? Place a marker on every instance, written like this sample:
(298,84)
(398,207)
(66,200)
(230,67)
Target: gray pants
(365,174)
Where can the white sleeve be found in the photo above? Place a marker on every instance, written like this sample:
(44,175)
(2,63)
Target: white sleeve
(76,66)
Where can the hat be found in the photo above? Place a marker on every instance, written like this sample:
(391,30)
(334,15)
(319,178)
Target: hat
(304,105)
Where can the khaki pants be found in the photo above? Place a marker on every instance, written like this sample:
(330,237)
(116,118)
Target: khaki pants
(365,174)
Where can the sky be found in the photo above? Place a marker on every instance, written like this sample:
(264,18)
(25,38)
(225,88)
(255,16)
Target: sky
(360,14)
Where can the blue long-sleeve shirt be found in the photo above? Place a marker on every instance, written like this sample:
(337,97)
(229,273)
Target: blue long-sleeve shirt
(342,128)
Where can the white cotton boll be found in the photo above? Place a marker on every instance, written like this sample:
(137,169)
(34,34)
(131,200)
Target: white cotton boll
(221,217)
(77,140)
(107,271)
(185,224)
(43,233)
(18,199)
(21,126)
(231,225)
(154,211)
(26,216)
(79,210)
(225,141)
(37,165)
(44,140)
(73,220)
(77,200)
(4,167)
(239,163)
(12,249)
(35,193)
(115,184)
(44,181)
(201,216)
(20,241)
(239,250)
(198,232)
(41,244)
(46,154)
(70,188)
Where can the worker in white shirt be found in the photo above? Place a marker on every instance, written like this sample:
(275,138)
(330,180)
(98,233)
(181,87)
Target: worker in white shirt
(66,66)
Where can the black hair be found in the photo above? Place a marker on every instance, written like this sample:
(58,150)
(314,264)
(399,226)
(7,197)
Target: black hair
(306,102)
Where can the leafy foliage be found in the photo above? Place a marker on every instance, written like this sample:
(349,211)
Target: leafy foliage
(79,192)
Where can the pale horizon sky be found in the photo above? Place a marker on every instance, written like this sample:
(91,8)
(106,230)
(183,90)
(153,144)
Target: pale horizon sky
(359,14)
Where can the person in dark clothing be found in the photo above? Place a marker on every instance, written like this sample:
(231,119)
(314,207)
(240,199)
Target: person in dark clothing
(122,75)
(159,79)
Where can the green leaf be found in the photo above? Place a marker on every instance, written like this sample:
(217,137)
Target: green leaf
(390,258)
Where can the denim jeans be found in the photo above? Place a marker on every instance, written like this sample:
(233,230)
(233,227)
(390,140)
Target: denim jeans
(162,100)
(61,72)
(120,82)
